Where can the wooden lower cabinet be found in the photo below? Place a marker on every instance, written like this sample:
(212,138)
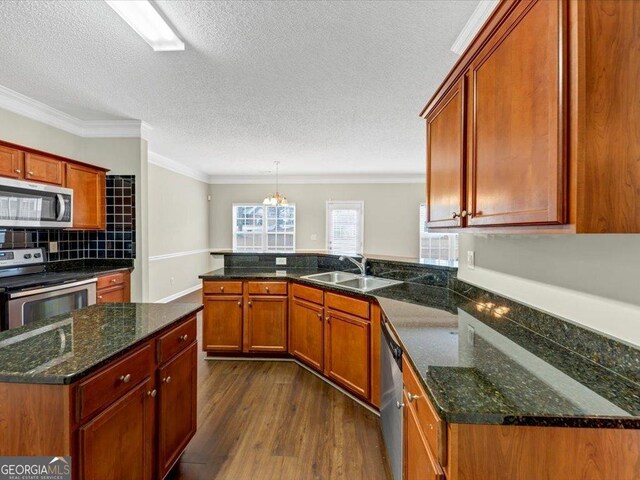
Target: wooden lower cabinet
(266,324)
(306,333)
(177,407)
(346,353)
(419,463)
(114,288)
(118,442)
(222,323)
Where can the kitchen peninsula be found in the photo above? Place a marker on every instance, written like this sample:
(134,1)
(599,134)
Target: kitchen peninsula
(111,385)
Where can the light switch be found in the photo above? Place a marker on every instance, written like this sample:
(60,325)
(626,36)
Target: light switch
(471,259)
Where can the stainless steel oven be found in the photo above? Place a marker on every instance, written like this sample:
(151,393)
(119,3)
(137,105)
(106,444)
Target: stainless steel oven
(27,306)
(28,204)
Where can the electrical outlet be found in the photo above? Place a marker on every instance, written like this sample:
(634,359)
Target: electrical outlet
(471,259)
(281,260)
(53,247)
(172,280)
(471,335)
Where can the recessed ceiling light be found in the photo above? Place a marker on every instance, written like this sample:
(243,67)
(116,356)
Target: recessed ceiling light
(147,22)
(476,20)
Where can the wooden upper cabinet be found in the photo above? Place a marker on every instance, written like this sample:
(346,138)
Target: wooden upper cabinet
(89,196)
(516,143)
(445,160)
(41,168)
(266,326)
(11,162)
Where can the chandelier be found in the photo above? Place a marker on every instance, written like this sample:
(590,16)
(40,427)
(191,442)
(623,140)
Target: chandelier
(276,199)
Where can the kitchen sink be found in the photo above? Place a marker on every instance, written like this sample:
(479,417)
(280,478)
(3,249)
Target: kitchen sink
(352,281)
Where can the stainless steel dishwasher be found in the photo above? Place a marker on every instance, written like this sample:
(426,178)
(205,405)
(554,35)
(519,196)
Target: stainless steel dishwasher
(391,405)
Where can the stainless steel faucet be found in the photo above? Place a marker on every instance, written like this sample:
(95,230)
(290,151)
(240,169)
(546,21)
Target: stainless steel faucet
(362,265)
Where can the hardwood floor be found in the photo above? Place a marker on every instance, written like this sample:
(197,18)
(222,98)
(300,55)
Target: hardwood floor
(276,421)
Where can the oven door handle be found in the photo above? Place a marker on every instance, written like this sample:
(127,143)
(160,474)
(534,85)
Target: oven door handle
(63,286)
(61,207)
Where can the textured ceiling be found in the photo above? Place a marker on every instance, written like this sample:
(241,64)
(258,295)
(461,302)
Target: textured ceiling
(324,87)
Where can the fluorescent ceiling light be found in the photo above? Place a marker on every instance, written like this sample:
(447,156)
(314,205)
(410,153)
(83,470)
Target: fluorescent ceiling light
(147,22)
(476,20)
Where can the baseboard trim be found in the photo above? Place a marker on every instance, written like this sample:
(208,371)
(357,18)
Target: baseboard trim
(182,293)
(308,369)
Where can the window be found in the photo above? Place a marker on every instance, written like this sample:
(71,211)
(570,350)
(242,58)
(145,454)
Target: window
(436,246)
(345,226)
(263,228)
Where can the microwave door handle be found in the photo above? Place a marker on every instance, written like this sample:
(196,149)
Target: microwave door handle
(61,207)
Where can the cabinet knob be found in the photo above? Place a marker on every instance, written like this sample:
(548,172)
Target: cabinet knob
(320,316)
(222,289)
(239,304)
(29,173)
(152,393)
(399,405)
(18,170)
(125,378)
(412,397)
(113,280)
(99,297)
(461,214)
(166,380)
(183,338)
(250,303)
(267,288)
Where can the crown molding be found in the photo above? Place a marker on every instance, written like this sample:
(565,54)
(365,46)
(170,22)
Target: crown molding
(28,107)
(176,167)
(476,20)
(316,179)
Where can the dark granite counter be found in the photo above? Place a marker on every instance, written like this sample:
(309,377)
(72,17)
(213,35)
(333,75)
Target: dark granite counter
(480,366)
(65,348)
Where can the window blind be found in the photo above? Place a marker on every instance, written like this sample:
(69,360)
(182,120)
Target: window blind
(436,246)
(345,227)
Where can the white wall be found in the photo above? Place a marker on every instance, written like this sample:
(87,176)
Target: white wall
(124,156)
(593,280)
(178,233)
(391,213)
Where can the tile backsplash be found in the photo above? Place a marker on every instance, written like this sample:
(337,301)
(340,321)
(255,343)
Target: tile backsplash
(118,240)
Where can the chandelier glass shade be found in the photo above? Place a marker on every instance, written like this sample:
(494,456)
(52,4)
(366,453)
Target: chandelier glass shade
(276,199)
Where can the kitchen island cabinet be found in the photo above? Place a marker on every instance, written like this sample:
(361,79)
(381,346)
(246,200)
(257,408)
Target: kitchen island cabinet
(118,394)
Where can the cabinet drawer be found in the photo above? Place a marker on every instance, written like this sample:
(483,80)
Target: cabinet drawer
(359,308)
(105,387)
(222,288)
(110,280)
(115,294)
(310,294)
(44,169)
(177,339)
(267,288)
(433,427)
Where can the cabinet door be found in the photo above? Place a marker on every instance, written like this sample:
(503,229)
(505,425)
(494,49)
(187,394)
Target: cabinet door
(177,407)
(222,323)
(115,294)
(11,162)
(517,132)
(266,324)
(89,196)
(43,169)
(118,443)
(418,460)
(347,358)
(445,160)
(306,333)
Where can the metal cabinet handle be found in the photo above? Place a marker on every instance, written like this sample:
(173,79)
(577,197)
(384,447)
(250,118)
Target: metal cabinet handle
(166,380)
(462,214)
(183,338)
(412,397)
(152,393)
(125,378)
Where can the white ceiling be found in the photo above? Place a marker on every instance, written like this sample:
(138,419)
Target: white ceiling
(324,87)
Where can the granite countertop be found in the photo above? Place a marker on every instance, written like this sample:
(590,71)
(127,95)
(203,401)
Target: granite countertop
(66,348)
(480,367)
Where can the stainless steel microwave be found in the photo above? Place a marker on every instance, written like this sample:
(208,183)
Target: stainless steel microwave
(27,204)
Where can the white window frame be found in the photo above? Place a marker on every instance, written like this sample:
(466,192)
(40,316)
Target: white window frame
(425,235)
(264,248)
(327,223)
